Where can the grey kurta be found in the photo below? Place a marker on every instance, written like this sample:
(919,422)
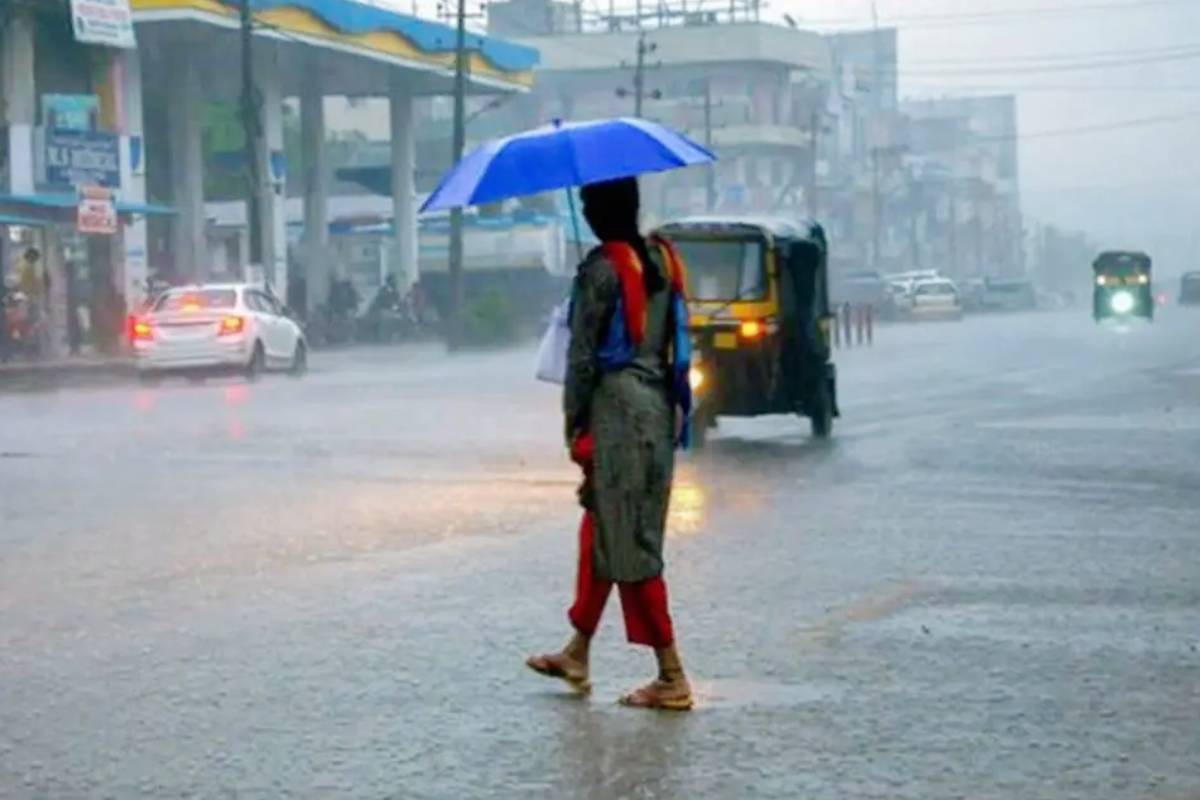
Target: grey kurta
(631,419)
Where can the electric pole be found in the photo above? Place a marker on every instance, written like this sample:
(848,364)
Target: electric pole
(644,49)
(814,127)
(711,174)
(460,140)
(876,135)
(252,126)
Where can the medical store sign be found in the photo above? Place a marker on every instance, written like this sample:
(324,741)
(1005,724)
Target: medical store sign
(103,22)
(82,158)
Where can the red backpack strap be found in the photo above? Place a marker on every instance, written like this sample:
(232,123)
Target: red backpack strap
(629,272)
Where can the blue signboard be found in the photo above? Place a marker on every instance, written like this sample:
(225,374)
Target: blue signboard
(73,112)
(83,158)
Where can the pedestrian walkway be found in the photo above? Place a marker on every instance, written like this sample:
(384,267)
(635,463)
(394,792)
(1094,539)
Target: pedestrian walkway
(20,371)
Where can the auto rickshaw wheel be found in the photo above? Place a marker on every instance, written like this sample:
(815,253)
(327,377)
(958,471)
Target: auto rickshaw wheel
(821,415)
(699,430)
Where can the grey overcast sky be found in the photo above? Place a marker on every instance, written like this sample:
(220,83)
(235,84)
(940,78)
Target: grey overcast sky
(1126,71)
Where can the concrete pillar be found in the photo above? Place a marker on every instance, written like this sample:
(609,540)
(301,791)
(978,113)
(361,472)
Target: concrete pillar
(127,67)
(187,166)
(273,167)
(404,189)
(314,255)
(19,98)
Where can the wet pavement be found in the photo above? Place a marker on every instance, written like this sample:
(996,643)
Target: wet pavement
(986,586)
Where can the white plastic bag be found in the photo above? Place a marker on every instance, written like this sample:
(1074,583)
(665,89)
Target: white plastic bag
(552,352)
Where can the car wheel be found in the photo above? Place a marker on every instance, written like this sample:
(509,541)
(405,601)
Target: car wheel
(299,361)
(822,413)
(258,359)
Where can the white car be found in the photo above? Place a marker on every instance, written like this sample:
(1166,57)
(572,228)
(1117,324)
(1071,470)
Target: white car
(217,328)
(934,299)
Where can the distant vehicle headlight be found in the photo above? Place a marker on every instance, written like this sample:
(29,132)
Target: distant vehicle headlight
(1122,302)
(696,378)
(1101,280)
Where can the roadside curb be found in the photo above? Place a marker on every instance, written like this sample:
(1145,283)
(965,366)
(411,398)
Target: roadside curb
(64,374)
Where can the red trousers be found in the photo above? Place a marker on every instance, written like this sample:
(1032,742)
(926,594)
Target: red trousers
(644,603)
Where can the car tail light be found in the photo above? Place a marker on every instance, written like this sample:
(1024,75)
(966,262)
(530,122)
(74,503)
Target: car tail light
(752,329)
(231,326)
(140,330)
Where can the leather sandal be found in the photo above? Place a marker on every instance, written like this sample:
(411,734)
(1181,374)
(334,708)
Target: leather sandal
(561,666)
(661,695)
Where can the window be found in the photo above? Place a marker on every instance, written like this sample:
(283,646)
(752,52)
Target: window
(724,269)
(196,300)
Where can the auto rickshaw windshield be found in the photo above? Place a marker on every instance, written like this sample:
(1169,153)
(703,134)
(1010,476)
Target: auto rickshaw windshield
(724,269)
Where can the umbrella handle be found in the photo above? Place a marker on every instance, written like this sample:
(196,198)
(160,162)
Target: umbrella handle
(574,224)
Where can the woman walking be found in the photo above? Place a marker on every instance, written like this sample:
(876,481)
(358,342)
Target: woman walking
(626,402)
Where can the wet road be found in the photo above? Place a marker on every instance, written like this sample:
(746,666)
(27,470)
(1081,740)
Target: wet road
(987,586)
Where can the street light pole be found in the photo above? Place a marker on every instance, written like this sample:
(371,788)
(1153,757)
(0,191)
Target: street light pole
(456,214)
(252,126)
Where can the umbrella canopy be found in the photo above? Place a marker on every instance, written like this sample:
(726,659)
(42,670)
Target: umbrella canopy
(561,155)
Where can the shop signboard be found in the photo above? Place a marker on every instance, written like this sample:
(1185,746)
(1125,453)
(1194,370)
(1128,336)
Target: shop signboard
(83,158)
(97,214)
(70,112)
(103,22)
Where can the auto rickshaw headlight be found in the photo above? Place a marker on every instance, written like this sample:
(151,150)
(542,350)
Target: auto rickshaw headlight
(1122,302)
(752,329)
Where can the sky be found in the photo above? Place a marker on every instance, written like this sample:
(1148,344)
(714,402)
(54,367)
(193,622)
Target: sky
(1126,72)
(1108,100)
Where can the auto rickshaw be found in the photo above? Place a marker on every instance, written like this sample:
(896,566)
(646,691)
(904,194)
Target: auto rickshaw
(1122,286)
(1189,289)
(760,320)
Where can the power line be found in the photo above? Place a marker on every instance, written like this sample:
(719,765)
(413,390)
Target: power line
(1059,57)
(1081,66)
(1019,15)
(1081,130)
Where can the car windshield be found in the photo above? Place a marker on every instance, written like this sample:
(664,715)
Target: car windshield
(724,269)
(938,289)
(197,300)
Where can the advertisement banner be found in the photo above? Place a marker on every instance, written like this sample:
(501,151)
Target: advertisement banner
(97,214)
(83,158)
(103,22)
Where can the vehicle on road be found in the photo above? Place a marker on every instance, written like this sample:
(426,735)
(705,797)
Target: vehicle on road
(934,299)
(1189,289)
(1007,295)
(760,320)
(217,328)
(1122,288)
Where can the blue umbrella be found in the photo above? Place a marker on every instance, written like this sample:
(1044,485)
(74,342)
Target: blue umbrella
(562,155)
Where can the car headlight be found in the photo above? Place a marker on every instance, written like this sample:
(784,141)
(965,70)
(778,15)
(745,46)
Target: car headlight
(1122,302)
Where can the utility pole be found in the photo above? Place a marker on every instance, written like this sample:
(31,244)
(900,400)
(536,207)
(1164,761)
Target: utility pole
(711,174)
(644,49)
(814,127)
(252,125)
(456,214)
(876,96)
